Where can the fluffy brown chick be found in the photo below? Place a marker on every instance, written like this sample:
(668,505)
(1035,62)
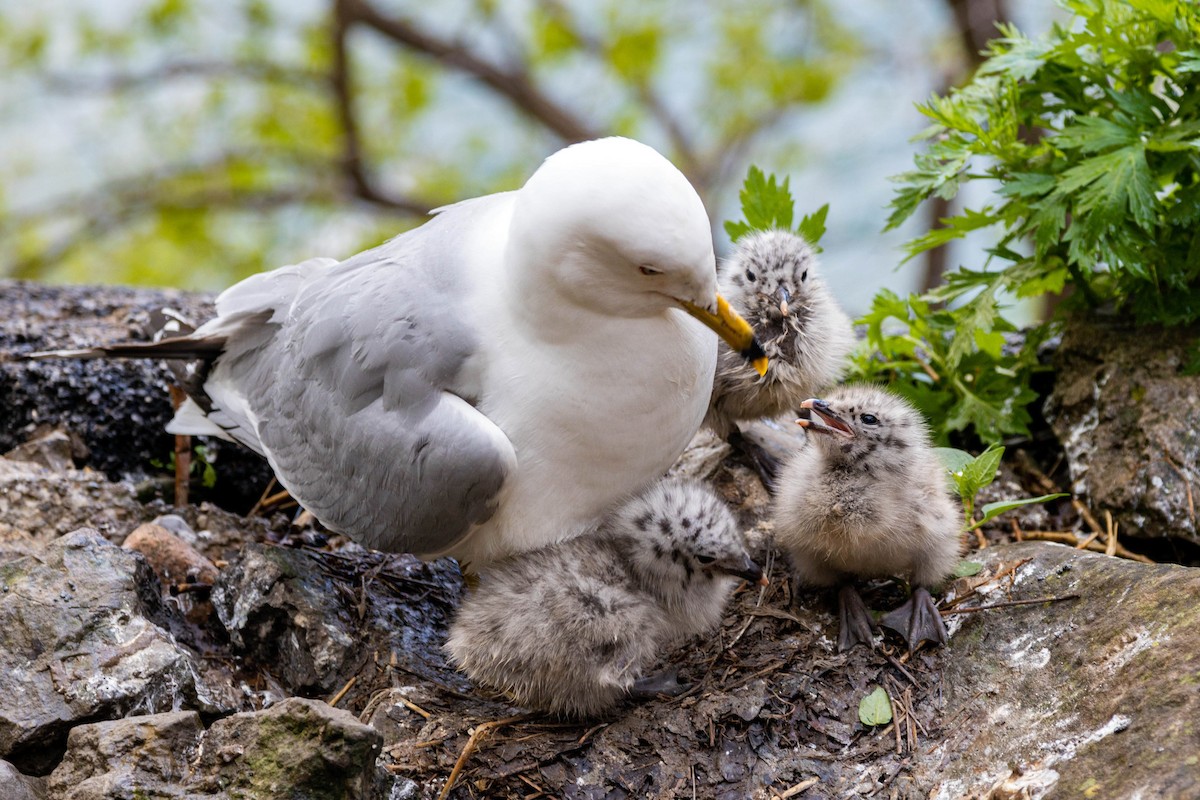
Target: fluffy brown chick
(864,497)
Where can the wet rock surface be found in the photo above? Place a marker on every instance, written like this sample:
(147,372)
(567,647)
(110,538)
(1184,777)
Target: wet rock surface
(117,683)
(1128,418)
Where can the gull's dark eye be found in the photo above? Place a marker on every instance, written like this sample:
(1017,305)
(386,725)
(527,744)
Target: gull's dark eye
(705,559)
(804,275)
(647,270)
(750,276)
(869,419)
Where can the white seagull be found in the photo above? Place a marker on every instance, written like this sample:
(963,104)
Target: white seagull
(489,382)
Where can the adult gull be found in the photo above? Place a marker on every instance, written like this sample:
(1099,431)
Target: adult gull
(489,382)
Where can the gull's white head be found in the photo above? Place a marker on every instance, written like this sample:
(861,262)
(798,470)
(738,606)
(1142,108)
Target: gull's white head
(616,228)
(613,227)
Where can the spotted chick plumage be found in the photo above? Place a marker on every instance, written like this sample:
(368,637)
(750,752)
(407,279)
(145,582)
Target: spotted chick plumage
(570,627)
(773,280)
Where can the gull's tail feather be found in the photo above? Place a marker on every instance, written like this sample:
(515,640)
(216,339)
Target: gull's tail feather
(186,348)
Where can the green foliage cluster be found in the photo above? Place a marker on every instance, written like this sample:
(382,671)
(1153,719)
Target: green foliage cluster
(767,204)
(1092,136)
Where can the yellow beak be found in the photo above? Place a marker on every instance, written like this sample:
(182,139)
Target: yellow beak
(733,329)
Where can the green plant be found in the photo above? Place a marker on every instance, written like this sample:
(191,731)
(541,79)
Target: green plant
(1092,135)
(201,466)
(970,474)
(767,204)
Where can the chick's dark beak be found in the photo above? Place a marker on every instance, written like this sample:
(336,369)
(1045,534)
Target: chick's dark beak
(744,568)
(818,417)
(783,296)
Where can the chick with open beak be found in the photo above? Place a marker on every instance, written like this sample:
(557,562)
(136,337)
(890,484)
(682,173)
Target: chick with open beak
(865,497)
(773,281)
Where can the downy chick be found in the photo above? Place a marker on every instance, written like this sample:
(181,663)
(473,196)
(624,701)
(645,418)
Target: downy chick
(569,628)
(772,280)
(866,496)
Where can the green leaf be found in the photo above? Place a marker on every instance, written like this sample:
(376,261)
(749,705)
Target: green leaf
(812,226)
(965,569)
(992,510)
(875,708)
(766,204)
(953,459)
(982,469)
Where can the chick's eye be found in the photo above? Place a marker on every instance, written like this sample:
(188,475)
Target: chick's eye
(705,559)
(869,419)
(750,276)
(648,270)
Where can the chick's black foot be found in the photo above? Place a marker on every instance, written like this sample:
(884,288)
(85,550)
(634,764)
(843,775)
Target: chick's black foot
(917,620)
(854,621)
(651,686)
(762,460)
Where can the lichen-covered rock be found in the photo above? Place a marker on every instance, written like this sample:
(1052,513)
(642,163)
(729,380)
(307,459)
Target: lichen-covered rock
(1129,420)
(134,758)
(1089,697)
(298,748)
(84,635)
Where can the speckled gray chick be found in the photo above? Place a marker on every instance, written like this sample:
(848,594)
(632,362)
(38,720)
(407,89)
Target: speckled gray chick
(569,628)
(866,496)
(773,281)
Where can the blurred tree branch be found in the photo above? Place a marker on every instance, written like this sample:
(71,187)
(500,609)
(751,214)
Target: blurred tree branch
(309,112)
(513,83)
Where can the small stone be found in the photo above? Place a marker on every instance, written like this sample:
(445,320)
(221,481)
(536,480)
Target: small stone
(174,560)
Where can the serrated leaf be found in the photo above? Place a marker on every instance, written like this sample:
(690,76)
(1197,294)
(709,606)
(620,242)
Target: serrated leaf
(812,226)
(766,204)
(965,569)
(875,708)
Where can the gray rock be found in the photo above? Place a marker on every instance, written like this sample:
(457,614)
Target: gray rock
(40,504)
(15,786)
(1129,421)
(281,610)
(298,748)
(51,449)
(128,759)
(84,635)
(313,620)
(1092,697)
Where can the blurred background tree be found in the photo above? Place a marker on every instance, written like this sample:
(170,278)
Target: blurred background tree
(182,143)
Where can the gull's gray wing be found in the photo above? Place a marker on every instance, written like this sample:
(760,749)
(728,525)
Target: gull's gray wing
(353,387)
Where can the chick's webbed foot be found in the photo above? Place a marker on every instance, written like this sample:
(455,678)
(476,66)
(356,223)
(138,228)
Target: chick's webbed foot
(917,620)
(854,621)
(662,683)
